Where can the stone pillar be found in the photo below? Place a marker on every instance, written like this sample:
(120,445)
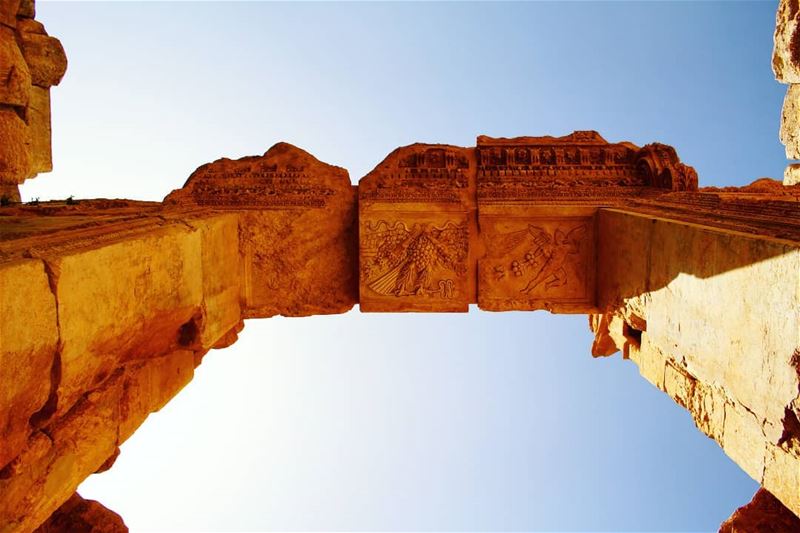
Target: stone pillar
(30,63)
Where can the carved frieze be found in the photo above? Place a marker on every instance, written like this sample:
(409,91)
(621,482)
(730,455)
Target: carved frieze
(537,260)
(417,217)
(578,168)
(297,228)
(414,261)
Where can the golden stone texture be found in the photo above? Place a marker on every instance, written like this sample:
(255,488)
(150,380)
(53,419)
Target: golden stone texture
(30,63)
(28,346)
(786,53)
(572,224)
(297,233)
(106,307)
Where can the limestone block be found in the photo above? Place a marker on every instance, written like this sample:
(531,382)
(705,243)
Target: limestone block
(86,516)
(786,53)
(414,231)
(44,54)
(623,251)
(744,441)
(39,133)
(221,282)
(81,441)
(15,77)
(749,335)
(135,298)
(8,12)
(297,229)
(791,176)
(148,385)
(537,258)
(651,362)
(790,122)
(704,403)
(414,260)
(707,407)
(28,344)
(678,384)
(782,476)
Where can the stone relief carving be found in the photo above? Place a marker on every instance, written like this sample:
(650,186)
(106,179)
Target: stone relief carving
(421,261)
(543,260)
(534,263)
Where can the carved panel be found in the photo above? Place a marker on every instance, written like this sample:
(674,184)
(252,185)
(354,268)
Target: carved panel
(414,261)
(535,262)
(297,232)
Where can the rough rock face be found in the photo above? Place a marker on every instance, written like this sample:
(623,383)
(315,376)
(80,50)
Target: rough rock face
(764,514)
(77,515)
(30,63)
(790,122)
(786,54)
(297,229)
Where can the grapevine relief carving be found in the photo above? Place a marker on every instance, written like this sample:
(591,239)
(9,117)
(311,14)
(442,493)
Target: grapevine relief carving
(420,261)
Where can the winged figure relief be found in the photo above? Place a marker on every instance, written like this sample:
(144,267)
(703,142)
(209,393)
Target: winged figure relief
(544,262)
(412,261)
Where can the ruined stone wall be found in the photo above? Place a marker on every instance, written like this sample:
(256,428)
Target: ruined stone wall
(30,63)
(699,287)
(106,307)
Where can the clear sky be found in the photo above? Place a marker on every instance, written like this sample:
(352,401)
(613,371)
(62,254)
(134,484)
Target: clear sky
(410,422)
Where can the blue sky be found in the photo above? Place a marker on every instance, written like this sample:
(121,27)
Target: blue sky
(410,422)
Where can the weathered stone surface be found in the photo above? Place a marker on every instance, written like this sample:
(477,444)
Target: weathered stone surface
(144,300)
(712,359)
(579,168)
(221,309)
(297,229)
(786,53)
(27,9)
(8,12)
(148,385)
(416,217)
(28,348)
(782,473)
(78,515)
(764,514)
(15,76)
(43,54)
(790,122)
(39,133)
(81,442)
(571,224)
(791,176)
(537,258)
(15,162)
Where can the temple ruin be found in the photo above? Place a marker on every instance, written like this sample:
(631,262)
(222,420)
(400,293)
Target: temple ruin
(107,306)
